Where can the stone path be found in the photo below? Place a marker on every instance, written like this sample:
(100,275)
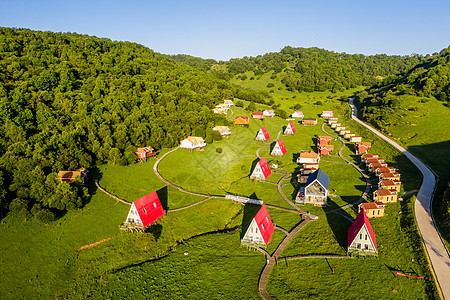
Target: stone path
(437,252)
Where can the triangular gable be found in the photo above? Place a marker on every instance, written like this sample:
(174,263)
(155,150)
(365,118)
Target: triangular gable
(321,177)
(264,223)
(264,167)
(149,208)
(290,129)
(361,221)
(266,134)
(279,147)
(133,216)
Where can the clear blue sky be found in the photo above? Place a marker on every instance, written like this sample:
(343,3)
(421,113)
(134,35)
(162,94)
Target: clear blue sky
(228,29)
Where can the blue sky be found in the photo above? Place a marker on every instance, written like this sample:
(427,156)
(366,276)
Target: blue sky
(229,29)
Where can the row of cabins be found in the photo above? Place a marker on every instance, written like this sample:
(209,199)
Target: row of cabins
(259,115)
(342,131)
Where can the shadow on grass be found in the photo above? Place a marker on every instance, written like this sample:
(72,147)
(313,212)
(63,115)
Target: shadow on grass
(163,196)
(250,212)
(295,156)
(340,225)
(254,163)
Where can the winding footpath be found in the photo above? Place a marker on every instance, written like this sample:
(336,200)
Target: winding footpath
(437,252)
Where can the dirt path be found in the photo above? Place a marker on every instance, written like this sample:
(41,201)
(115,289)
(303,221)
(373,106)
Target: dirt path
(437,252)
(94,244)
(111,195)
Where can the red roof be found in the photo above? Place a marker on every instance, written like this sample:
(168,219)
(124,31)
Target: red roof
(257,113)
(264,167)
(292,127)
(282,147)
(354,229)
(264,223)
(266,134)
(149,208)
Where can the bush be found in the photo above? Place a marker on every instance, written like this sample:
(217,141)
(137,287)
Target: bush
(219,150)
(271,91)
(239,104)
(318,103)
(273,77)
(270,84)
(252,78)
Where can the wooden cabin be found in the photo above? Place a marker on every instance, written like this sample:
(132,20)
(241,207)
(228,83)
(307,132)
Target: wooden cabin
(69,176)
(261,171)
(309,121)
(258,115)
(348,135)
(308,157)
(389,185)
(385,196)
(323,140)
(378,171)
(355,139)
(365,157)
(223,130)
(242,121)
(372,209)
(145,152)
(257,226)
(297,115)
(315,190)
(361,237)
(145,211)
(262,135)
(290,129)
(334,125)
(303,176)
(390,176)
(278,149)
(362,147)
(326,114)
(268,113)
(326,150)
(193,143)
(228,103)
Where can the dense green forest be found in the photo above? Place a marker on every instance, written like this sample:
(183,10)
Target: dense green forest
(382,103)
(314,69)
(69,101)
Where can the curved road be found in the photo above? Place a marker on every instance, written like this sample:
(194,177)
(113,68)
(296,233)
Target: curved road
(435,247)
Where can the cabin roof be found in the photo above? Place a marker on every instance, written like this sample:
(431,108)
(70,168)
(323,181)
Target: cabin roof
(356,226)
(321,176)
(149,208)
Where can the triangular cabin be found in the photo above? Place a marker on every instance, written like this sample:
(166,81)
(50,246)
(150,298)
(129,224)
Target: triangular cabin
(372,209)
(290,129)
(326,114)
(326,150)
(315,190)
(297,114)
(193,143)
(223,130)
(241,120)
(385,196)
(360,237)
(310,157)
(258,115)
(261,170)
(69,176)
(309,121)
(323,140)
(362,147)
(257,226)
(145,152)
(279,149)
(145,211)
(268,113)
(262,135)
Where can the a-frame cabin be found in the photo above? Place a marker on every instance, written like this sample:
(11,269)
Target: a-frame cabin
(360,236)
(290,129)
(257,226)
(279,149)
(261,170)
(145,211)
(262,135)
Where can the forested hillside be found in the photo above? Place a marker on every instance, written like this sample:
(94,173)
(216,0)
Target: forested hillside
(69,101)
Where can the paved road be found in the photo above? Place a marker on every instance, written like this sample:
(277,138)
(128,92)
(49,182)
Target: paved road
(435,247)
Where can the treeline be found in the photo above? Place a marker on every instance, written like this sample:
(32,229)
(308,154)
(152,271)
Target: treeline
(69,101)
(381,103)
(314,69)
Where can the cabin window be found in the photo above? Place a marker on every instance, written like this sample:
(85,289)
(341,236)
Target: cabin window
(262,226)
(358,246)
(256,230)
(373,213)
(366,247)
(366,237)
(154,204)
(144,210)
(251,229)
(267,220)
(360,236)
(378,212)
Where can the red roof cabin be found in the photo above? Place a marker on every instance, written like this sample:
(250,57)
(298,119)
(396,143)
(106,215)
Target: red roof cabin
(290,129)
(261,170)
(372,209)
(145,211)
(278,149)
(323,140)
(262,135)
(390,176)
(268,113)
(390,185)
(258,115)
(257,226)
(326,114)
(361,237)
(378,171)
(365,157)
(326,150)
(145,152)
(362,147)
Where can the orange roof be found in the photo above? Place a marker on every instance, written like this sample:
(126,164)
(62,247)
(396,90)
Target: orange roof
(367,144)
(325,137)
(310,154)
(257,113)
(372,205)
(241,120)
(384,192)
(145,149)
(329,147)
